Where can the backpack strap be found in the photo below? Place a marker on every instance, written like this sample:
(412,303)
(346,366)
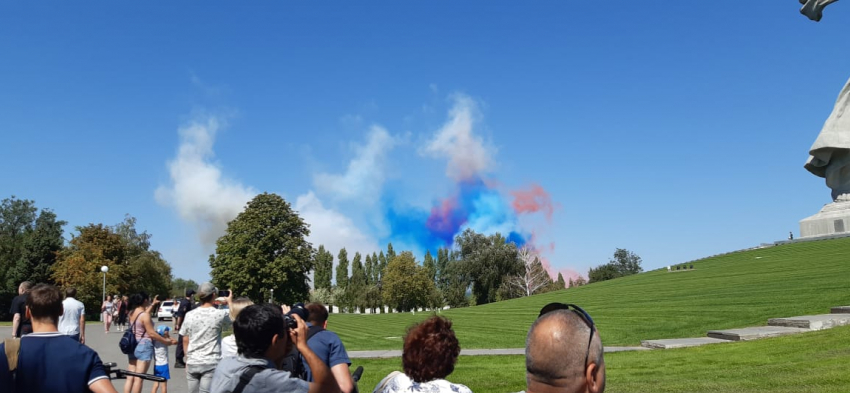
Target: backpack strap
(13,348)
(245,377)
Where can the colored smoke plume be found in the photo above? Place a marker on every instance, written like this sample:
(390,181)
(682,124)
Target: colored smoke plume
(533,200)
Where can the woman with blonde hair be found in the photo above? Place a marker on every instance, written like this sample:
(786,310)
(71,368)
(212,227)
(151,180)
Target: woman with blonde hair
(228,344)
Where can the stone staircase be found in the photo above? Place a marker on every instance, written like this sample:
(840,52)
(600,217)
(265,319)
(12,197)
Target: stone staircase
(838,316)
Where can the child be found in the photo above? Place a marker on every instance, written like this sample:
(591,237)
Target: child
(160,368)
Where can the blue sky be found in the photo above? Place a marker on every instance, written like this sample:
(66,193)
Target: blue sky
(676,130)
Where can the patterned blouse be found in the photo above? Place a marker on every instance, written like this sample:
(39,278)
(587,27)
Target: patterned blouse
(401,383)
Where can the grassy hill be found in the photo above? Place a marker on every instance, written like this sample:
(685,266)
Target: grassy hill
(729,291)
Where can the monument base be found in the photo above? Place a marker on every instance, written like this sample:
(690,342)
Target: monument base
(833,219)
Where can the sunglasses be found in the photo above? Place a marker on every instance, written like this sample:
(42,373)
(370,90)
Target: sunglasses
(581,313)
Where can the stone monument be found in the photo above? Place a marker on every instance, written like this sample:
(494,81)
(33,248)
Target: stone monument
(829,156)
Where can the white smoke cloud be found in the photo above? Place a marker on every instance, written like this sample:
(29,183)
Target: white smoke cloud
(332,229)
(467,153)
(198,191)
(364,175)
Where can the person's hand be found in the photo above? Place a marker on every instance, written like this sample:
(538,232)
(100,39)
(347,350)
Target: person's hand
(83,340)
(299,334)
(284,308)
(173,341)
(156,299)
(229,298)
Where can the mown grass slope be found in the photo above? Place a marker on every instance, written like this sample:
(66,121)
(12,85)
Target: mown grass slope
(810,362)
(735,290)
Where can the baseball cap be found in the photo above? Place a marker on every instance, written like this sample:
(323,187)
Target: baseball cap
(190,292)
(206,289)
(161,329)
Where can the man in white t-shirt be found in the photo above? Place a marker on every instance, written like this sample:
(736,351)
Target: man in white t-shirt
(201,330)
(72,322)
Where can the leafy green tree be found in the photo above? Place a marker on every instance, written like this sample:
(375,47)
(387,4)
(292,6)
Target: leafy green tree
(560,282)
(626,262)
(342,270)
(357,285)
(29,242)
(452,280)
(376,269)
(604,272)
(487,260)
(406,285)
(179,287)
(370,266)
(265,247)
(430,266)
(323,261)
(390,252)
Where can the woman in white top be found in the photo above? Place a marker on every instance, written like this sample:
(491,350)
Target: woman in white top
(228,344)
(107,308)
(430,353)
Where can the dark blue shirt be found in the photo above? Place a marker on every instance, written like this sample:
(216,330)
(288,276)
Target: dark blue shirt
(328,347)
(52,362)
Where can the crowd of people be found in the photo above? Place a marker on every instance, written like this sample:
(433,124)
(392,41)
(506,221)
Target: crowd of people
(47,353)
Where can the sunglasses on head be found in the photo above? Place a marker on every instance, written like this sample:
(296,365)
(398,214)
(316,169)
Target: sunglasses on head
(581,313)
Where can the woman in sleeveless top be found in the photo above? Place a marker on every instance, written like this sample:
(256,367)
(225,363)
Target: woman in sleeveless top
(139,306)
(106,308)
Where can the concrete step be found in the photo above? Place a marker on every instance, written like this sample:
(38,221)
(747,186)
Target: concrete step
(754,333)
(681,342)
(812,322)
(840,310)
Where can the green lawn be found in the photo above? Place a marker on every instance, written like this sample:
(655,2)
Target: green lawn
(810,362)
(736,290)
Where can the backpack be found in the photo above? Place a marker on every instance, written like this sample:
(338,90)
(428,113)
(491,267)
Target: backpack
(12,349)
(128,341)
(294,362)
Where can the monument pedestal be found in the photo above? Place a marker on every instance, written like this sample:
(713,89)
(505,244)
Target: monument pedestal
(833,219)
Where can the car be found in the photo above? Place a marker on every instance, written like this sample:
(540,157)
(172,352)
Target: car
(165,310)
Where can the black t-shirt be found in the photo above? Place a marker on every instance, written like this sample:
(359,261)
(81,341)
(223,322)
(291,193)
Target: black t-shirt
(19,306)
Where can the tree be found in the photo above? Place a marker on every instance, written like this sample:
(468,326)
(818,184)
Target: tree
(487,260)
(452,280)
(342,270)
(560,282)
(323,261)
(626,262)
(179,287)
(406,285)
(370,267)
(390,252)
(430,266)
(265,247)
(29,241)
(579,281)
(602,273)
(357,285)
(376,269)
(531,278)
(133,266)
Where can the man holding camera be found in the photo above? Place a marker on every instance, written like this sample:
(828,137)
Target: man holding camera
(201,333)
(264,336)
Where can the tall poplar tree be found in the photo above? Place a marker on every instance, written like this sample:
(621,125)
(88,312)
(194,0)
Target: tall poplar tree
(342,270)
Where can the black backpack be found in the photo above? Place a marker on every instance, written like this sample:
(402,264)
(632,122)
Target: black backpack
(294,362)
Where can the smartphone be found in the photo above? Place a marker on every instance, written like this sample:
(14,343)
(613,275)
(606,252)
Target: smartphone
(223,293)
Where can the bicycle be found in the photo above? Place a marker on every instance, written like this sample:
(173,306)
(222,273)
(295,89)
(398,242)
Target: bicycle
(123,374)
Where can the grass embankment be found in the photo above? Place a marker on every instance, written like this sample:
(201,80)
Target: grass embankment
(730,291)
(810,362)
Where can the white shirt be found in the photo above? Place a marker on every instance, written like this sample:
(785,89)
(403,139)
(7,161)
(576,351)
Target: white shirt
(69,321)
(203,325)
(402,383)
(160,352)
(228,346)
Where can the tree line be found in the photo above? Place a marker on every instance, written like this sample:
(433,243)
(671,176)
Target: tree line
(32,248)
(264,254)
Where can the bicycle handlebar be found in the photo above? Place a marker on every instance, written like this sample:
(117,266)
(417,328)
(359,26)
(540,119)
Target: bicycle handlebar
(123,374)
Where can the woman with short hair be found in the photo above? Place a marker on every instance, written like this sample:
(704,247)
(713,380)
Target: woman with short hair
(430,353)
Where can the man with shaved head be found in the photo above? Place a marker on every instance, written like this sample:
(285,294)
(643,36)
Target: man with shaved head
(563,352)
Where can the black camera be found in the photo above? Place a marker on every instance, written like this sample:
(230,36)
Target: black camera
(297,308)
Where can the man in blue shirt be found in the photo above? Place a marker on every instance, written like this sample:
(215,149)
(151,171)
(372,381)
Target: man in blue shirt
(328,347)
(49,361)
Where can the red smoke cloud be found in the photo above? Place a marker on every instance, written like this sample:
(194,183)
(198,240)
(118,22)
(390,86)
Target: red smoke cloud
(533,200)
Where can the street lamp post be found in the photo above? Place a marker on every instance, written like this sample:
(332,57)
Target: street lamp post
(103,269)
